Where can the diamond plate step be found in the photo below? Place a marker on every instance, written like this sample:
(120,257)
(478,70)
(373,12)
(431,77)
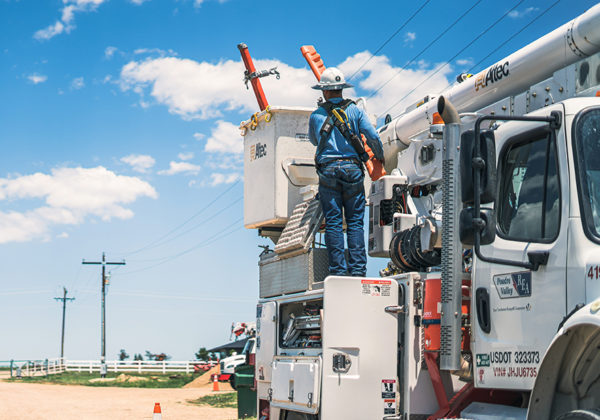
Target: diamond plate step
(300,229)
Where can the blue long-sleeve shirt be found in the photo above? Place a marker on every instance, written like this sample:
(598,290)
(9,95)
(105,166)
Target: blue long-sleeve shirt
(337,146)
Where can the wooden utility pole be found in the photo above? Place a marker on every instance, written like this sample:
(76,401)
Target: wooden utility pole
(62,335)
(104,263)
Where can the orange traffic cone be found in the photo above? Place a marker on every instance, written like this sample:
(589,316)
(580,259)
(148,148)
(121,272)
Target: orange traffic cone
(157,413)
(216,383)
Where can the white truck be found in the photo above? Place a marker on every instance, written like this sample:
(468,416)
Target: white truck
(489,308)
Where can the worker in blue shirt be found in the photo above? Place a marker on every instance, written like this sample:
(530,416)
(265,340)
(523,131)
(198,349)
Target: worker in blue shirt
(340,170)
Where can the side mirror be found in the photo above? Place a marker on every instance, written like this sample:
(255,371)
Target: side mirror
(467,227)
(487,184)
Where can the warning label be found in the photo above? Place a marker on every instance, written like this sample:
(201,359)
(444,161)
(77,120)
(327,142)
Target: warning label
(376,287)
(389,406)
(388,388)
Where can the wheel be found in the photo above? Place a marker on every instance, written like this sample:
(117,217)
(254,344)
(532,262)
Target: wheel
(294,415)
(232,381)
(580,415)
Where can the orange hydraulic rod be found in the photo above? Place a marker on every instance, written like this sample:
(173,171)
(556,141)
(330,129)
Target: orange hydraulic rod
(250,71)
(314,60)
(374,167)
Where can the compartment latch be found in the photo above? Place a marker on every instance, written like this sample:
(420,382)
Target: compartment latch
(341,363)
(395,309)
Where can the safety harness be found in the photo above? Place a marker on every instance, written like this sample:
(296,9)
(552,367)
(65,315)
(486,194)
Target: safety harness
(336,117)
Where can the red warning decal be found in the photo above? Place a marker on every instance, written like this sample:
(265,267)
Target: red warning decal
(376,287)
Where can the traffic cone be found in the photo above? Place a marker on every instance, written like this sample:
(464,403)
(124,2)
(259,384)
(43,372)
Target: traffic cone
(157,413)
(216,383)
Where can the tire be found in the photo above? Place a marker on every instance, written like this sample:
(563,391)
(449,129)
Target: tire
(294,415)
(232,381)
(580,415)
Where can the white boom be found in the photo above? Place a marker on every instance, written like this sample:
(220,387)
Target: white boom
(533,63)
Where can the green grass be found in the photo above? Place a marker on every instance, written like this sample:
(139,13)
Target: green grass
(83,378)
(226,400)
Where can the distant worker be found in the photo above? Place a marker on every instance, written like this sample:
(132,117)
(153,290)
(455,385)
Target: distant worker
(335,128)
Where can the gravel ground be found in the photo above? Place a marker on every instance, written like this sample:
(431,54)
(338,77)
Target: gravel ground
(63,402)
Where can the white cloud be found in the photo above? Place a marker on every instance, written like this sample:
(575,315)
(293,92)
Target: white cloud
(517,14)
(50,31)
(77,83)
(109,52)
(138,2)
(63,235)
(465,62)
(186,155)
(218,178)
(70,196)
(198,3)
(225,138)
(199,136)
(139,163)
(186,168)
(156,51)
(409,37)
(397,83)
(204,90)
(65,23)
(36,78)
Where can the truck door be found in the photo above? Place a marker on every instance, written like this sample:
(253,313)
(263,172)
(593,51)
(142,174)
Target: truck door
(266,333)
(517,311)
(360,348)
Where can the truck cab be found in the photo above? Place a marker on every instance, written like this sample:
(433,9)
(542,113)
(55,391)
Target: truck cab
(547,203)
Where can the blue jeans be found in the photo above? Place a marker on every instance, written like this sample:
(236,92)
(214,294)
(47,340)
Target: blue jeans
(341,187)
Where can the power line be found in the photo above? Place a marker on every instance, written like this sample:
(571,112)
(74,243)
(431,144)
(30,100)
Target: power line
(514,35)
(425,49)
(199,212)
(206,242)
(390,38)
(203,222)
(454,56)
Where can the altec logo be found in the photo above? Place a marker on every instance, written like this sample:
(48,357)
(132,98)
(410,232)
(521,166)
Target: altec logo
(493,75)
(257,151)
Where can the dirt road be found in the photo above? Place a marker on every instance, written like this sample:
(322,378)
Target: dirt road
(61,402)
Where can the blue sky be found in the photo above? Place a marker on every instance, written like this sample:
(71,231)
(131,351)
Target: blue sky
(118,123)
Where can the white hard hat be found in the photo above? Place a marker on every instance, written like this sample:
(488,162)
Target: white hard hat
(332,79)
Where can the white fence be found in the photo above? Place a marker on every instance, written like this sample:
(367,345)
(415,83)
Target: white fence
(139,366)
(37,367)
(52,366)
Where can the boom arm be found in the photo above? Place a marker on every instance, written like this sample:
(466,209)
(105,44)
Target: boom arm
(509,76)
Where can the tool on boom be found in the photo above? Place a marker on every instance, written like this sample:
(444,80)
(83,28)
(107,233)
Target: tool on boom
(374,167)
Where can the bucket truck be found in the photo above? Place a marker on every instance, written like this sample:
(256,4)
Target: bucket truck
(490,217)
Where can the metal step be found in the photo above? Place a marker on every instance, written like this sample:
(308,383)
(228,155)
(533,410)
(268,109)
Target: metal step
(300,230)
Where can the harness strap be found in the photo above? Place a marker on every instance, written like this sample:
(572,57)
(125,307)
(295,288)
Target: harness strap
(343,127)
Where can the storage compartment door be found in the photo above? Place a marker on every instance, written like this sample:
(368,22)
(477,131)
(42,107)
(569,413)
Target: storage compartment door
(266,339)
(360,348)
(296,383)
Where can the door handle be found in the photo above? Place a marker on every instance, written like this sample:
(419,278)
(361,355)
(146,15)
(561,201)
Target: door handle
(341,363)
(537,258)
(399,309)
(482,301)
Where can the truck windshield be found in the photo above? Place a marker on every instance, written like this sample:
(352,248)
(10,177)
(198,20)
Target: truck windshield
(587,162)
(248,347)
